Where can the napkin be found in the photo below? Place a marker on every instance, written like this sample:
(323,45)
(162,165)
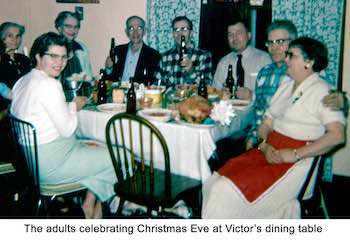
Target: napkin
(222,112)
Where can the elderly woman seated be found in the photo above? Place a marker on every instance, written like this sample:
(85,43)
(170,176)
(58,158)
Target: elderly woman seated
(264,182)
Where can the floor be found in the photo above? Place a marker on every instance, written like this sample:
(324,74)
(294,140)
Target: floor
(16,203)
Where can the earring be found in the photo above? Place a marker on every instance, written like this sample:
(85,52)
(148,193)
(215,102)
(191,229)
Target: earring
(307,66)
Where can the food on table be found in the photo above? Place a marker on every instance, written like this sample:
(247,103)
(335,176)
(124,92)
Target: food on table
(118,96)
(146,102)
(194,109)
(184,91)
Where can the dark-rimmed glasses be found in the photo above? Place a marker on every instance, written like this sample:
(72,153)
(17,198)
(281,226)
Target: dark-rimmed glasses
(56,57)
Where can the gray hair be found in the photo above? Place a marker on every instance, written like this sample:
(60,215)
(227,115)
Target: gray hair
(135,17)
(63,15)
(285,25)
(4,27)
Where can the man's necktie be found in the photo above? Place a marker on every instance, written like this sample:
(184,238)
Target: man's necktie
(240,71)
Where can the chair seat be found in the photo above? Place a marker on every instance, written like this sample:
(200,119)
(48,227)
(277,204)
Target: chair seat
(60,189)
(135,190)
(6,167)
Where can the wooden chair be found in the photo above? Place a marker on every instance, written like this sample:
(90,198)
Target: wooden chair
(133,143)
(25,140)
(312,201)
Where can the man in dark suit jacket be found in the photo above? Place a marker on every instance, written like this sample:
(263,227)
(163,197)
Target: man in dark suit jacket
(134,59)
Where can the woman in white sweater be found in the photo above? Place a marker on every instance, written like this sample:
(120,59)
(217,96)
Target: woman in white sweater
(38,98)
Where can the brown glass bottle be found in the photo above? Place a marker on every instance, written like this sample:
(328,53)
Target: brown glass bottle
(102,88)
(202,87)
(131,98)
(230,82)
(112,51)
(182,51)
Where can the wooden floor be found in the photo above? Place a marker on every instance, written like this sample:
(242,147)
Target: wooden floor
(13,202)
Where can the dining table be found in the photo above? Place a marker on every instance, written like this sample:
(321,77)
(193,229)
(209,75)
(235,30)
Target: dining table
(190,145)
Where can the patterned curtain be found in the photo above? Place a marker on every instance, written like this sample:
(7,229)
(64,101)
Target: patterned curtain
(322,20)
(160,13)
(319,19)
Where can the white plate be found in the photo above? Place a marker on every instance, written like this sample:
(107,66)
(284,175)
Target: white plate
(113,108)
(196,125)
(240,104)
(162,115)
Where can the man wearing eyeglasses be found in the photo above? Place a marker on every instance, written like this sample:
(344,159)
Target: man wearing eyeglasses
(68,24)
(172,71)
(134,59)
(251,60)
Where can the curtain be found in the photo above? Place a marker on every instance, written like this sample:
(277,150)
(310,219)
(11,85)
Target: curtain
(319,19)
(160,13)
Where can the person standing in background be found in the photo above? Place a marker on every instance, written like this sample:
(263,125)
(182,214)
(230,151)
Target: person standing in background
(68,24)
(13,65)
(251,60)
(171,70)
(134,59)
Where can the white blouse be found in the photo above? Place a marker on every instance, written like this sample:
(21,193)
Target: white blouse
(302,115)
(39,99)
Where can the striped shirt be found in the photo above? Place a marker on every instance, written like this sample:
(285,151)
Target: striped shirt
(171,73)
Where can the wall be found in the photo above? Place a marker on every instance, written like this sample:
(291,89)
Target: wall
(101,21)
(342,158)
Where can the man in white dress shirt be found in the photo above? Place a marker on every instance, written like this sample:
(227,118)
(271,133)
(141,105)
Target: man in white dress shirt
(238,36)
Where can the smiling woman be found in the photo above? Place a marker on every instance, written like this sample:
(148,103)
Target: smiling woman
(38,98)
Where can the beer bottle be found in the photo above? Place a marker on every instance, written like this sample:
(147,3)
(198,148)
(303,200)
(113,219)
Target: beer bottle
(112,51)
(131,98)
(146,79)
(230,82)
(102,88)
(182,52)
(202,87)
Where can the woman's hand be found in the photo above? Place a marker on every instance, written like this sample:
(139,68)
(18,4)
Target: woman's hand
(80,101)
(287,155)
(272,155)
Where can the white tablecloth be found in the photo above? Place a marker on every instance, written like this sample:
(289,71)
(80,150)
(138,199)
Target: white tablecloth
(189,147)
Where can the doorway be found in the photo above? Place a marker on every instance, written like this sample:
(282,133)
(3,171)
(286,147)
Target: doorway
(214,16)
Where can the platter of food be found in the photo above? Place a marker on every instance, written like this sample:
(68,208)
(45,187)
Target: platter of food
(112,108)
(157,114)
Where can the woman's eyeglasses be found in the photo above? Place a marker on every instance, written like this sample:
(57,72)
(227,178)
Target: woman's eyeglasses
(290,55)
(56,57)
(278,42)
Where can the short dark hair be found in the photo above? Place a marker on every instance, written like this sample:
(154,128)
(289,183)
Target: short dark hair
(43,43)
(237,21)
(284,24)
(6,25)
(182,18)
(313,50)
(63,15)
